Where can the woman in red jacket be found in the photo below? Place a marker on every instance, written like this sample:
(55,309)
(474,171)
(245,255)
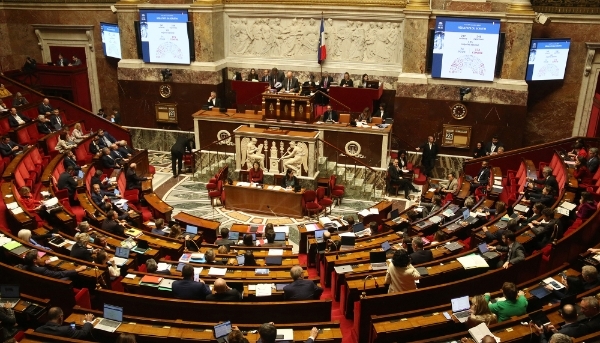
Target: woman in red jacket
(581,172)
(255,174)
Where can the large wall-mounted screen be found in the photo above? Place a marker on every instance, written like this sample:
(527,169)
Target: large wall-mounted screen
(465,48)
(164,36)
(547,59)
(111,39)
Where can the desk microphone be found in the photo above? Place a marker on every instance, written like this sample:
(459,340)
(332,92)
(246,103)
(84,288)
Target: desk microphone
(187,238)
(269,207)
(364,293)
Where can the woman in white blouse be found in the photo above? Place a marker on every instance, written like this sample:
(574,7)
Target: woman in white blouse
(401,275)
(77,133)
(65,143)
(113,269)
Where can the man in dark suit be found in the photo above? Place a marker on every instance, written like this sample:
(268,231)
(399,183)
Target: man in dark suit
(430,151)
(380,112)
(591,309)
(34,264)
(54,326)
(66,181)
(547,180)
(94,147)
(330,115)
(514,249)
(213,101)
(268,333)
(55,120)
(117,155)
(265,76)
(105,139)
(108,161)
(189,289)
(274,77)
(571,327)
(126,151)
(593,161)
(45,108)
(61,62)
(326,81)
(9,148)
(96,180)
(483,177)
(70,161)
(223,292)
(290,83)
(395,173)
(16,119)
(224,240)
(80,249)
(43,125)
(133,180)
(99,196)
(420,256)
(111,224)
(491,148)
(545,197)
(301,289)
(178,149)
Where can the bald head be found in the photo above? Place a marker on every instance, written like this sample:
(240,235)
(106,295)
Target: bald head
(326,235)
(132,166)
(220,286)
(488,339)
(289,74)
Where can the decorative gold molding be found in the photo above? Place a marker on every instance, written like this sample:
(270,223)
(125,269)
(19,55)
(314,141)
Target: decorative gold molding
(567,10)
(523,7)
(419,5)
(384,3)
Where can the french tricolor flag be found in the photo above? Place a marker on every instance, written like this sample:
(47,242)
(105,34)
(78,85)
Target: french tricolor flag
(322,51)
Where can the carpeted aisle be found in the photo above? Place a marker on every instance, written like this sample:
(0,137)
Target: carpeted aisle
(336,315)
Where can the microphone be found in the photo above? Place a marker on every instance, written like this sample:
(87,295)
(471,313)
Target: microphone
(364,293)
(329,246)
(187,238)
(269,207)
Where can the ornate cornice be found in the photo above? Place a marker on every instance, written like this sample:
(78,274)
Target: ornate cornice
(382,3)
(567,10)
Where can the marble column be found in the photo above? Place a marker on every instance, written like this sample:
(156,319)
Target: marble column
(520,6)
(518,28)
(127,13)
(416,28)
(207,16)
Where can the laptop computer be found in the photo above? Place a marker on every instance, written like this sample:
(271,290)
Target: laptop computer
(358,227)
(394,214)
(113,317)
(460,308)
(540,292)
(234,235)
(319,236)
(191,229)
(347,243)
(80,174)
(10,294)
(222,331)
(539,318)
(377,259)
(279,236)
(20,250)
(389,121)
(240,260)
(280,286)
(141,247)
(121,252)
(273,260)
(485,252)
(385,246)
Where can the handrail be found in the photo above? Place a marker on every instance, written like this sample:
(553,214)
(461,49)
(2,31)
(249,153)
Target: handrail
(343,152)
(217,141)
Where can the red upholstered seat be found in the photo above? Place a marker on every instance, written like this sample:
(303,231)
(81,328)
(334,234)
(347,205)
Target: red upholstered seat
(323,200)
(309,202)
(82,298)
(336,191)
(215,193)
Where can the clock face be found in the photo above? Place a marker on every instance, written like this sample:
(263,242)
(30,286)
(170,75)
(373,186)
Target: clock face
(165,91)
(459,111)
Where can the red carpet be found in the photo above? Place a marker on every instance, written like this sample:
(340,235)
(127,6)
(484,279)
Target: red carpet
(336,315)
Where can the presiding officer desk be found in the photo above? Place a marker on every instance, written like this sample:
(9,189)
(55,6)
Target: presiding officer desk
(284,202)
(151,329)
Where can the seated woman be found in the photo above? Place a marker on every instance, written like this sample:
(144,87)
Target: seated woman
(587,207)
(26,236)
(77,133)
(253,75)
(249,259)
(31,205)
(347,81)
(65,143)
(480,313)
(247,241)
(363,83)
(579,150)
(255,174)
(365,116)
(113,269)
(581,172)
(402,160)
(290,181)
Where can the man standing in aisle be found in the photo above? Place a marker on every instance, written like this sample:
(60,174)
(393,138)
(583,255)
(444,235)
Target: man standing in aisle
(430,151)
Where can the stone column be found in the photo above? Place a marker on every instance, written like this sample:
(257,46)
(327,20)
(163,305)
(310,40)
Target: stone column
(516,47)
(208,30)
(415,38)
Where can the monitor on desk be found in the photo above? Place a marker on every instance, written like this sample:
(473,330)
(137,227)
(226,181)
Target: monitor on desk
(373,84)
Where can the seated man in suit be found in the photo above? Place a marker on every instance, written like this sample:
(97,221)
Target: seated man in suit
(105,139)
(223,292)
(483,178)
(330,115)
(103,183)
(55,120)
(268,333)
(396,178)
(16,119)
(290,84)
(126,151)
(276,79)
(547,180)
(54,326)
(45,108)
(571,327)
(94,147)
(546,197)
(380,112)
(43,125)
(452,186)
(420,256)
(301,289)
(66,181)
(71,161)
(515,251)
(593,161)
(34,264)
(117,155)
(99,196)
(108,161)
(213,101)
(491,148)
(9,148)
(224,240)
(133,180)
(159,225)
(152,267)
(113,225)
(189,289)
(543,228)
(512,226)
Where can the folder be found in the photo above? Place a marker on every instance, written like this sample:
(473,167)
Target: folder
(151,279)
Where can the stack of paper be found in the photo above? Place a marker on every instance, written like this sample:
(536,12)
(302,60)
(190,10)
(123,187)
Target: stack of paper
(263,289)
(324,220)
(569,206)
(374,210)
(481,331)
(275,252)
(119,261)
(521,208)
(311,227)
(364,212)
(4,240)
(163,266)
(12,205)
(562,211)
(243,184)
(213,271)
(343,269)
(166,284)
(472,261)
(285,229)
(197,272)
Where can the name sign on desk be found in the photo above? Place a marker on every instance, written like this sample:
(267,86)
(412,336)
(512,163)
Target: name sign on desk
(456,136)
(166,113)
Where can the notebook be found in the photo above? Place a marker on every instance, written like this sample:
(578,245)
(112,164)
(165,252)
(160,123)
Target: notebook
(540,292)
(113,317)
(485,252)
(222,331)
(20,250)
(10,294)
(240,260)
(460,308)
(377,259)
(191,229)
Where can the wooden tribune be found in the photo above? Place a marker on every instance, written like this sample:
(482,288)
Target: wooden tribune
(259,199)
(290,107)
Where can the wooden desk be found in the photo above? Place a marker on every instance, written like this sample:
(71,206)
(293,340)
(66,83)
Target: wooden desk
(290,107)
(355,98)
(17,221)
(254,199)
(208,228)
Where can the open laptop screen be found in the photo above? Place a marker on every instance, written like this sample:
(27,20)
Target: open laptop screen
(122,252)
(483,248)
(358,227)
(460,304)
(191,229)
(223,329)
(113,312)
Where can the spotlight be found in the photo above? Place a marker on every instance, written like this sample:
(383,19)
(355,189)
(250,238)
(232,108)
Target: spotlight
(541,18)
(464,91)
(166,74)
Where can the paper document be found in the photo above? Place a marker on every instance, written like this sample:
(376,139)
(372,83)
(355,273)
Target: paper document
(364,212)
(285,229)
(119,261)
(569,206)
(481,331)
(217,271)
(45,193)
(51,202)
(166,283)
(562,211)
(263,289)
(324,220)
(497,183)
(347,234)
(4,240)
(252,287)
(521,208)
(275,252)
(431,190)
(472,261)
(12,205)
(343,269)
(553,283)
(163,266)
(276,188)
(197,272)
(374,210)
(311,227)
(130,276)
(17,210)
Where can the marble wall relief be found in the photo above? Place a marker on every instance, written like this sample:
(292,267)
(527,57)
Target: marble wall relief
(346,40)
(274,156)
